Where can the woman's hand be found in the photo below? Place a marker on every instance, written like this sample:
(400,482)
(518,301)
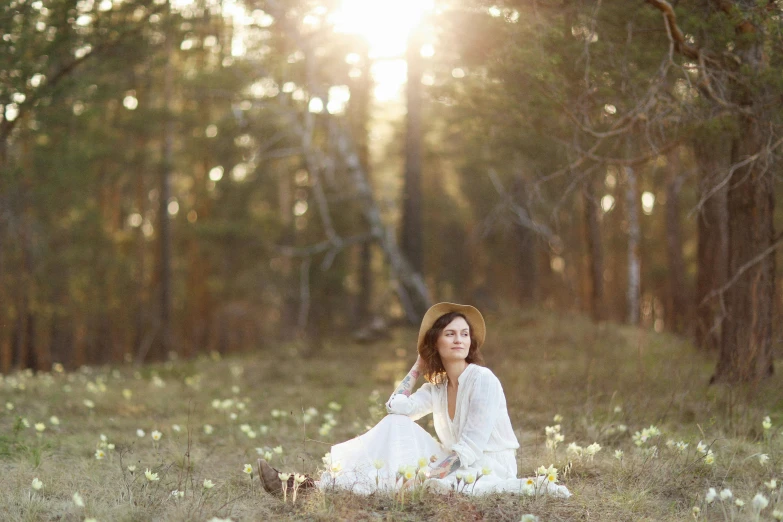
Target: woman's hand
(419,364)
(446,466)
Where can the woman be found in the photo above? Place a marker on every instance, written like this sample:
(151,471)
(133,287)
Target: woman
(469,414)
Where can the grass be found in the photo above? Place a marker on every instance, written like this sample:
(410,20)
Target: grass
(606,381)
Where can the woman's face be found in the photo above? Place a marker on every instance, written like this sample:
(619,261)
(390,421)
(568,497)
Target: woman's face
(454,341)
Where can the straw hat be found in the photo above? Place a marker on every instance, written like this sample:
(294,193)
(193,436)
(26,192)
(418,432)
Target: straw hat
(474,317)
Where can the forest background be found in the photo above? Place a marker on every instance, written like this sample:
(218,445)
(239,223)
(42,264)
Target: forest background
(192,176)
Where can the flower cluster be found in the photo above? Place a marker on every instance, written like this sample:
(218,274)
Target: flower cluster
(553,437)
(641,437)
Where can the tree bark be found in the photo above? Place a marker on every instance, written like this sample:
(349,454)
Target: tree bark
(634,235)
(359,113)
(746,340)
(163,213)
(712,155)
(595,257)
(677,310)
(527,268)
(412,213)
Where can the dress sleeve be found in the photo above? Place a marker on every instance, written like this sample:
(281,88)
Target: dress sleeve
(416,406)
(483,406)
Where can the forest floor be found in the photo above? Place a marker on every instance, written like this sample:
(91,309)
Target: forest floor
(215,415)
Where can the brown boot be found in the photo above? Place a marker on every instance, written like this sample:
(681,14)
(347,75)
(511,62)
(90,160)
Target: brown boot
(270,479)
(274,486)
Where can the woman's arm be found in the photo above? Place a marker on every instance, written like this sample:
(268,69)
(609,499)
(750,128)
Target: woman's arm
(407,384)
(404,402)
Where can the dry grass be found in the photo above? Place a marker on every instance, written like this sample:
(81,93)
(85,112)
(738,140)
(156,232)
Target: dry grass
(548,365)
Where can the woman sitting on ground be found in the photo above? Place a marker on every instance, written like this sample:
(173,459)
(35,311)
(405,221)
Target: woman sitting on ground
(470,417)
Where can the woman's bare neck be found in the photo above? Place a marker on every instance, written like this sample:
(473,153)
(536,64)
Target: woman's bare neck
(453,370)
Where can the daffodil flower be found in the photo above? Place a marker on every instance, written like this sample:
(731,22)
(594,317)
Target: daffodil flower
(248,469)
(36,484)
(152,477)
(208,484)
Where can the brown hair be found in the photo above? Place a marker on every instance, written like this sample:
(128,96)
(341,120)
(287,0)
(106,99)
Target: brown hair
(433,370)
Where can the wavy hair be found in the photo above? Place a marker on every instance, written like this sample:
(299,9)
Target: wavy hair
(433,370)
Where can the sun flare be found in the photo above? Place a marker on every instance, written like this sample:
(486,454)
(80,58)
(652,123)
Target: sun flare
(385,24)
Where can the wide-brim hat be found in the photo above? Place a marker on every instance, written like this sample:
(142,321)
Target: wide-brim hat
(474,317)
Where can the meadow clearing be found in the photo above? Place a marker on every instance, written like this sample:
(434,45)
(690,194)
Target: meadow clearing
(170,441)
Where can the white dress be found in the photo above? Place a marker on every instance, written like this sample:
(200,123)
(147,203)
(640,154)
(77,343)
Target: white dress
(480,434)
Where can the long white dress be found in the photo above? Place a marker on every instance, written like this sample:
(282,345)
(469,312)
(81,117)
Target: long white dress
(480,433)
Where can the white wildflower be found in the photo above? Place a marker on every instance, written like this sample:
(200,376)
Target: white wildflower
(760,502)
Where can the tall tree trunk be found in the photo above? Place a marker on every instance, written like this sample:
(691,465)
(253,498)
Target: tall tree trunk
(527,269)
(359,113)
(164,227)
(634,236)
(595,255)
(24,357)
(746,340)
(6,352)
(677,310)
(290,290)
(412,212)
(713,158)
